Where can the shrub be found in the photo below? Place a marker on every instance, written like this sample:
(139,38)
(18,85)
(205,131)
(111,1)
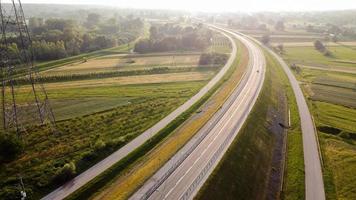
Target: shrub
(99,145)
(319,46)
(65,173)
(212,58)
(327,53)
(265,39)
(10,147)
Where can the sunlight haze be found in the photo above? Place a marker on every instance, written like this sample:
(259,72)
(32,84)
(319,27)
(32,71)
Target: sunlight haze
(218,6)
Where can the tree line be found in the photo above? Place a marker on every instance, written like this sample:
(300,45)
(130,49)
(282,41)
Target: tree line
(170,37)
(57,38)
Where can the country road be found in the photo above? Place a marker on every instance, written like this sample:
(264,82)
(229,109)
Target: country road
(83,178)
(314,185)
(185,173)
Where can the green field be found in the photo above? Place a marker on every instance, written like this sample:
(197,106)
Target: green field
(331,91)
(100,103)
(329,86)
(336,125)
(341,56)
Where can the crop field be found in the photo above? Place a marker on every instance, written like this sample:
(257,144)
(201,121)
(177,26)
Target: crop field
(100,103)
(130,179)
(330,84)
(337,129)
(288,36)
(335,87)
(341,56)
(124,62)
(350,44)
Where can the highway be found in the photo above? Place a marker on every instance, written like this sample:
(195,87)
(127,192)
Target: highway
(184,174)
(314,185)
(83,178)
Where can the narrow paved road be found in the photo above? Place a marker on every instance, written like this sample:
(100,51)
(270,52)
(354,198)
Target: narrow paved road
(185,173)
(314,185)
(100,167)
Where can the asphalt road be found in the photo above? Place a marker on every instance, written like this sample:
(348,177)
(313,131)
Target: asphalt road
(314,185)
(83,178)
(186,172)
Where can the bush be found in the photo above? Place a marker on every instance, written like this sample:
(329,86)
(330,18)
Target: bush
(265,39)
(319,46)
(65,173)
(212,59)
(327,53)
(99,145)
(10,147)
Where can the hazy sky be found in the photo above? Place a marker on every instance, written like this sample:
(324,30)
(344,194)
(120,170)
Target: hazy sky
(218,5)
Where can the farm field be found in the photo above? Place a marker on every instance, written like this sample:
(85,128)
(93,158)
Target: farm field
(97,114)
(330,84)
(287,36)
(126,62)
(341,56)
(127,181)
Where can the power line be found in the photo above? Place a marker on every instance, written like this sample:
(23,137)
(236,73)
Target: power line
(17,60)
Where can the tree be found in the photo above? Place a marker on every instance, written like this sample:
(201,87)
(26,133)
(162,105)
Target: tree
(265,39)
(154,33)
(279,25)
(65,173)
(10,147)
(319,46)
(93,19)
(280,48)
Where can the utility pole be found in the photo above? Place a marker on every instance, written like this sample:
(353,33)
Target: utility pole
(23,192)
(17,60)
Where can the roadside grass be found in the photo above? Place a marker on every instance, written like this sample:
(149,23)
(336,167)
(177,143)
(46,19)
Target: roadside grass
(294,175)
(341,56)
(87,139)
(252,150)
(141,168)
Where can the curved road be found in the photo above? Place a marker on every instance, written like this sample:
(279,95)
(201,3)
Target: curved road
(88,175)
(185,173)
(314,185)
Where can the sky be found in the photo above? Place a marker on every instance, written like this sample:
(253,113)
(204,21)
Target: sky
(217,5)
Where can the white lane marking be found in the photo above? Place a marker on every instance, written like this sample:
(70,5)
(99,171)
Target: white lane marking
(229,119)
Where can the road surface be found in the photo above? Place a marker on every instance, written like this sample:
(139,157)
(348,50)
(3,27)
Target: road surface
(314,185)
(88,175)
(185,173)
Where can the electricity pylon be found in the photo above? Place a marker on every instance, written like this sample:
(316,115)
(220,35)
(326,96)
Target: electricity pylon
(17,61)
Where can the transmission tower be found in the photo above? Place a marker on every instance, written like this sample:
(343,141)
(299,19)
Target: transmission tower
(17,61)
